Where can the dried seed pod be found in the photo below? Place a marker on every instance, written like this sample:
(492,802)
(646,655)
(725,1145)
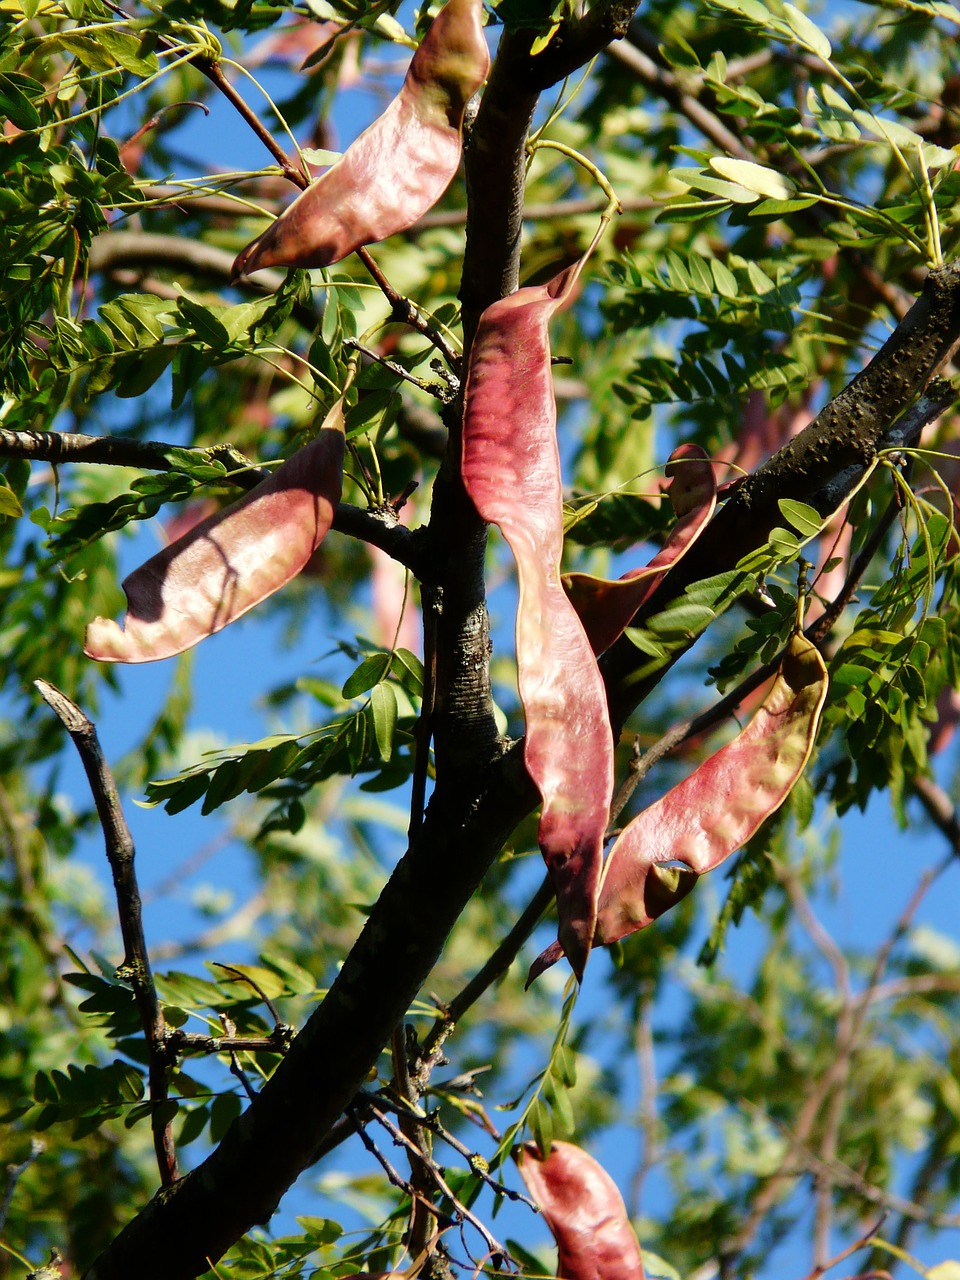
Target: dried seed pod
(605,607)
(716,810)
(585,1213)
(511,470)
(398,168)
(230,561)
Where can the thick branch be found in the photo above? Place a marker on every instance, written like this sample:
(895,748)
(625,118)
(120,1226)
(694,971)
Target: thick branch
(578,41)
(479,797)
(817,466)
(136,960)
(281,1133)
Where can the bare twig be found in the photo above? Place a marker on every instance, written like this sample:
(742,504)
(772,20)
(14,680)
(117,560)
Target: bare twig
(845,1039)
(15,1172)
(461,1211)
(230,1029)
(940,809)
(404,312)
(649,1121)
(136,961)
(496,966)
(433,1125)
(186,1042)
(862,1243)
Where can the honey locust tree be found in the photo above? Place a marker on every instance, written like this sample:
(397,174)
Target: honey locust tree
(666,299)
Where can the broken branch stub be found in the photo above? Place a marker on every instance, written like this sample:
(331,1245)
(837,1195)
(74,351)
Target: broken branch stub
(585,1212)
(398,168)
(231,561)
(511,470)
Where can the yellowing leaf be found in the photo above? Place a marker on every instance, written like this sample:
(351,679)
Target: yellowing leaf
(755,177)
(807,32)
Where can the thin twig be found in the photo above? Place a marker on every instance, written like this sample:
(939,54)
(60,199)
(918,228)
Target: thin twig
(845,1039)
(433,1125)
(136,961)
(649,1121)
(187,1042)
(495,967)
(461,1210)
(940,809)
(404,312)
(15,1172)
(240,975)
(407,546)
(862,1243)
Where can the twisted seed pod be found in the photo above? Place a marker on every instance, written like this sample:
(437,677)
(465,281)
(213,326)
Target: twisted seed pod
(398,168)
(230,561)
(714,811)
(511,470)
(709,815)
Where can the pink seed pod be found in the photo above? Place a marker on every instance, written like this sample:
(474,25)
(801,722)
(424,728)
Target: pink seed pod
(230,561)
(585,1212)
(511,470)
(398,168)
(606,607)
(716,810)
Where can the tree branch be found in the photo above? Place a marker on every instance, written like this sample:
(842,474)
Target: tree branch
(136,960)
(380,529)
(481,793)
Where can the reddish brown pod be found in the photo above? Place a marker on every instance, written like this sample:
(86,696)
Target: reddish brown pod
(703,820)
(585,1213)
(511,470)
(606,607)
(230,561)
(399,167)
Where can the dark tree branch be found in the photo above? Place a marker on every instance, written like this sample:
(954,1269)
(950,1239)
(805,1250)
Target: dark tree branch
(579,40)
(380,529)
(136,960)
(818,466)
(114,250)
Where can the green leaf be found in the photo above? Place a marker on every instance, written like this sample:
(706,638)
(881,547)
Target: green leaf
(808,33)
(370,672)
(805,519)
(383,704)
(15,104)
(755,177)
(9,503)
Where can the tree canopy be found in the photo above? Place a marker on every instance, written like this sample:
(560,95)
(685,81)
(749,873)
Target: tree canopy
(638,321)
